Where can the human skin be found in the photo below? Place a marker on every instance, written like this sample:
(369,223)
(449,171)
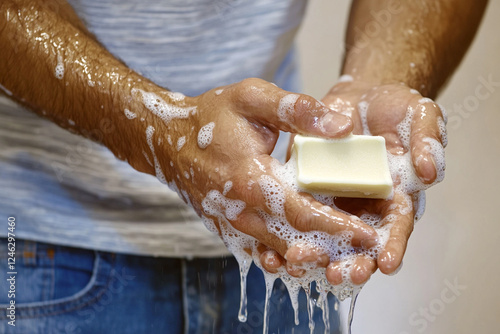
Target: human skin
(37,36)
(393,47)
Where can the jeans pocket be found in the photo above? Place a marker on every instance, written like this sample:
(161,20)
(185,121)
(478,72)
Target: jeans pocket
(54,281)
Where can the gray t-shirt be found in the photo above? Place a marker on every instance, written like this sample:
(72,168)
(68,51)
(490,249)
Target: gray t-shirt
(67,190)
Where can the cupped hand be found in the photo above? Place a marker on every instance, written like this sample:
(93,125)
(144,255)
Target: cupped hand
(383,110)
(216,154)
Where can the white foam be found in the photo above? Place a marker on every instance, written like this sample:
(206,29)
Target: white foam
(217,205)
(147,158)
(159,172)
(205,135)
(180,142)
(130,114)
(346,78)
(442,131)
(286,108)
(363,111)
(227,187)
(176,96)
(59,70)
(210,224)
(162,109)
(425,100)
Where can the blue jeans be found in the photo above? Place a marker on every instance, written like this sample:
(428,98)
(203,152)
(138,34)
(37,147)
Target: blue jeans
(67,290)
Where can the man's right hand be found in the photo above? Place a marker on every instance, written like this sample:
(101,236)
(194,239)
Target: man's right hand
(215,149)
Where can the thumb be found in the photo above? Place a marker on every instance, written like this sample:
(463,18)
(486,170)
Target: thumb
(291,112)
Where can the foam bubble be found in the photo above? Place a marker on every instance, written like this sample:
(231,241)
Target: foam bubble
(217,205)
(59,70)
(346,78)
(180,142)
(162,109)
(159,172)
(147,158)
(227,187)
(442,131)
(176,96)
(363,111)
(425,100)
(286,108)
(205,135)
(130,114)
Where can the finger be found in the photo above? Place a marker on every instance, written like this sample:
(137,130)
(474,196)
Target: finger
(362,269)
(427,126)
(305,216)
(294,270)
(303,253)
(334,273)
(390,258)
(252,224)
(271,261)
(297,113)
(282,203)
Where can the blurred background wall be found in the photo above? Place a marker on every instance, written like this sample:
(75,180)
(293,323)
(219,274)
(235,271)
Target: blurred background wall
(449,281)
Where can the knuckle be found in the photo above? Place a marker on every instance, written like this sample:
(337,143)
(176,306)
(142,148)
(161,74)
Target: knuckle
(306,105)
(249,90)
(301,220)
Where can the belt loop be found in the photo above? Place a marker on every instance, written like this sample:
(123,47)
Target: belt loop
(29,253)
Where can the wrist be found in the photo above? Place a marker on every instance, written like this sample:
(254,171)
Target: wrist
(157,124)
(383,65)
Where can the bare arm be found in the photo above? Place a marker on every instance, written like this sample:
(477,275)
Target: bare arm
(52,64)
(398,52)
(419,43)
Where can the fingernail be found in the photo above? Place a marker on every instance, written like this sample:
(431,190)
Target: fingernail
(427,168)
(369,243)
(332,124)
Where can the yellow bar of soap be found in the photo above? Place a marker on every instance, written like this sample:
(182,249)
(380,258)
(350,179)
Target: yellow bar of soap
(355,166)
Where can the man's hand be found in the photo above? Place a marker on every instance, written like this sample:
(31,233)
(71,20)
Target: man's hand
(381,111)
(218,157)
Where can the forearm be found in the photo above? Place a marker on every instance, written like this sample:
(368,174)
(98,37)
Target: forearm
(51,63)
(419,43)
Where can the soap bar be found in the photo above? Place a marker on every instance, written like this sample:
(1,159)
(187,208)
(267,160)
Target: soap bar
(355,166)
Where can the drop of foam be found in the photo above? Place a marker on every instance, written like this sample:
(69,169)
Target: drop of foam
(59,71)
(180,142)
(129,114)
(205,135)
(286,108)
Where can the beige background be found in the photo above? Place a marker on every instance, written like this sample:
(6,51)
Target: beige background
(458,238)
